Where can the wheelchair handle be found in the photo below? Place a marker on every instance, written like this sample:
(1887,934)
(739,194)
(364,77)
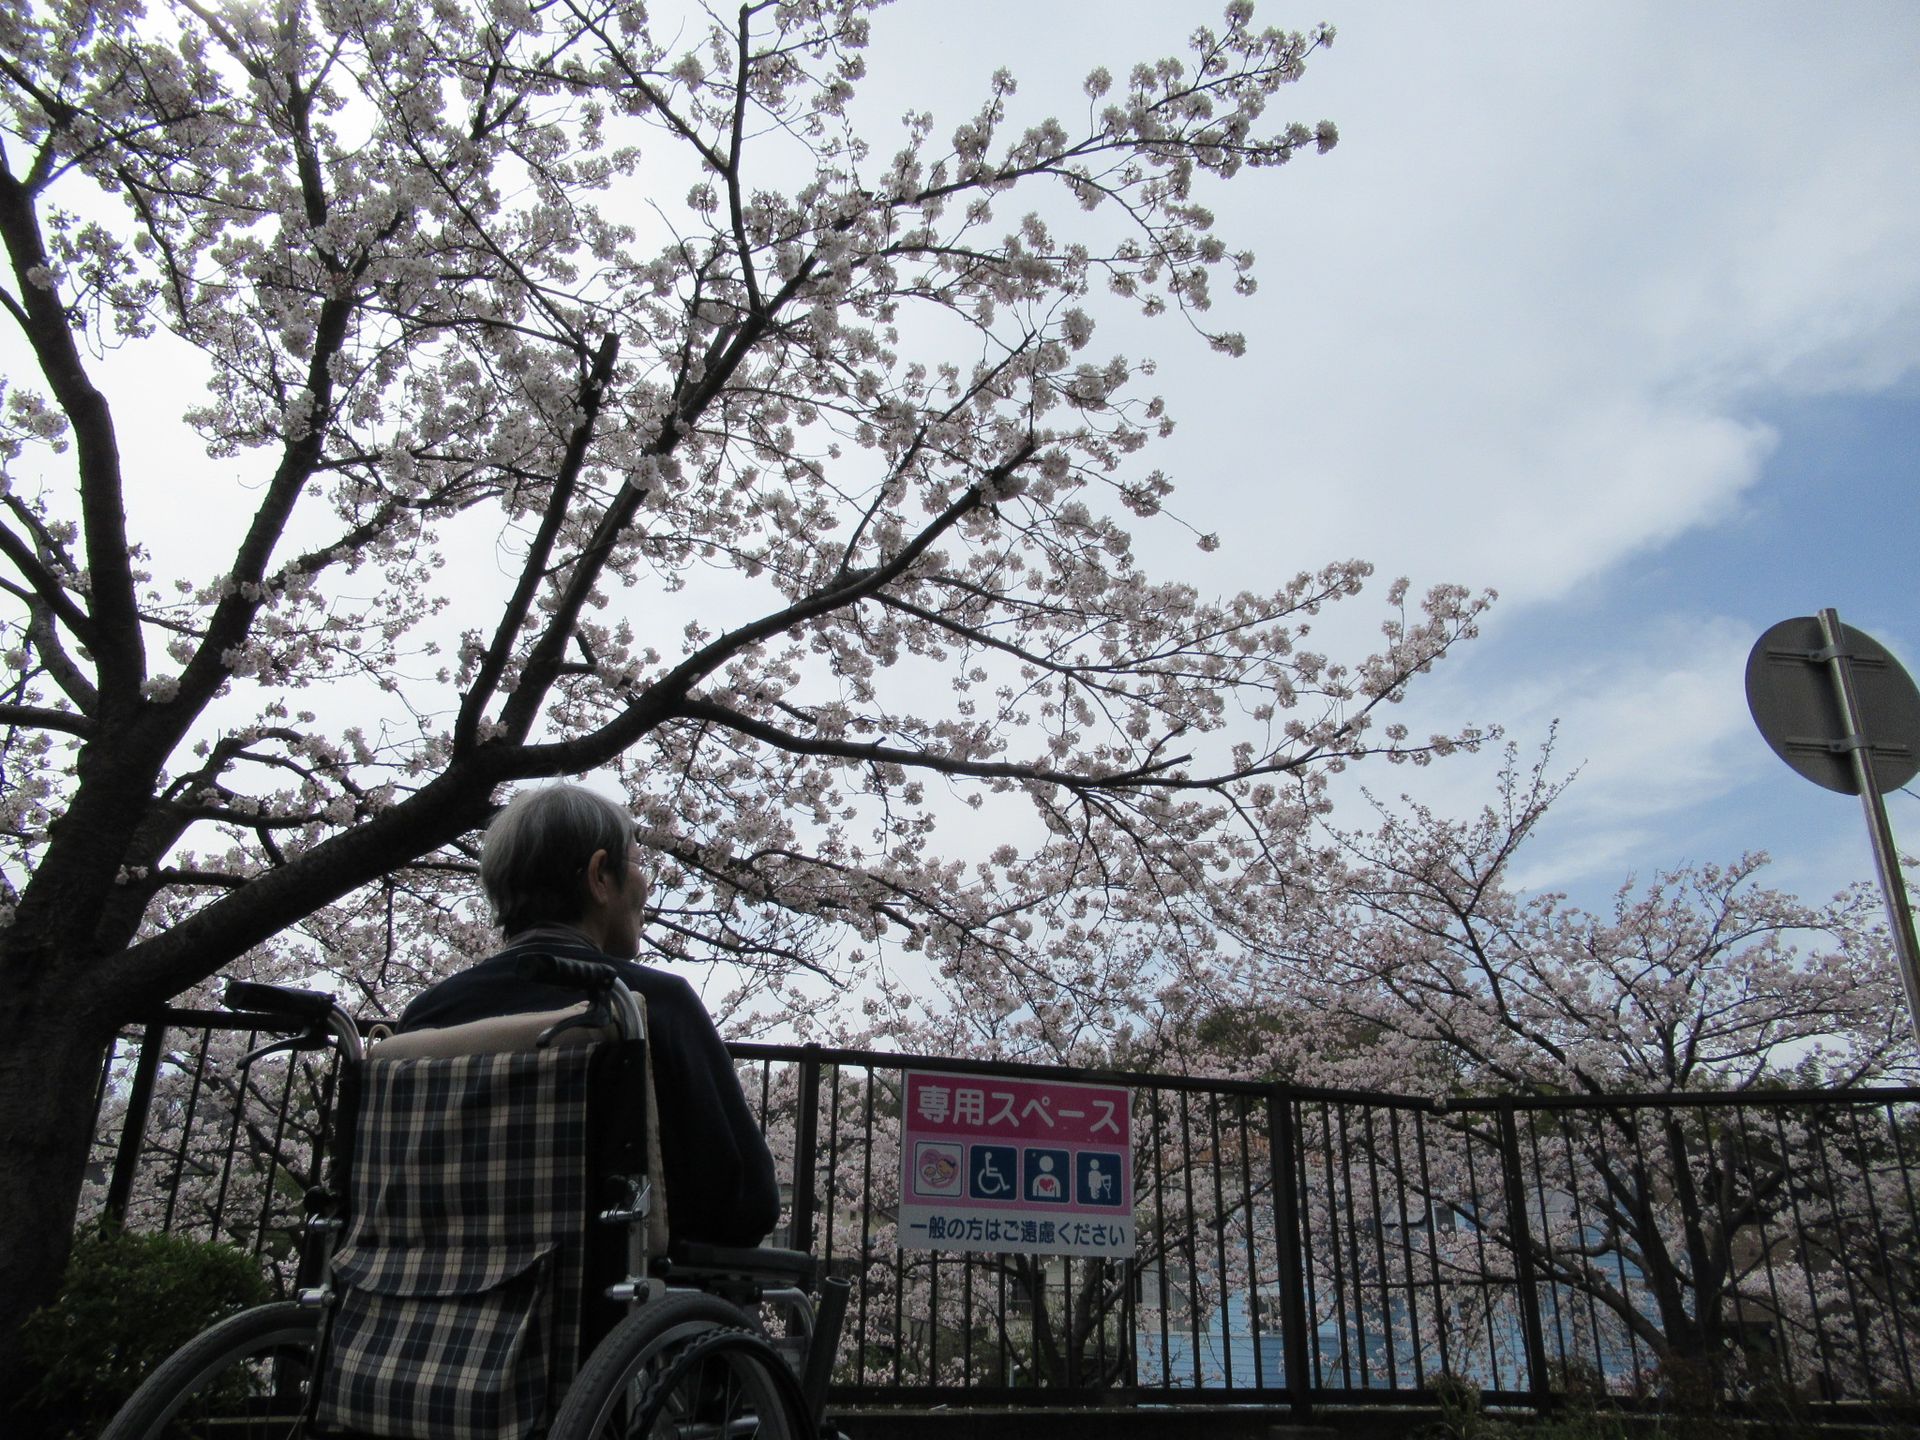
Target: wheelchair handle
(597,978)
(313,1011)
(592,976)
(283,1002)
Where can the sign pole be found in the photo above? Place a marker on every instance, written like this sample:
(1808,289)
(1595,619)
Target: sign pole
(1885,857)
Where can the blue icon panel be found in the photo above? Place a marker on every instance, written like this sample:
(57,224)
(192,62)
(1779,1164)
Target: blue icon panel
(992,1172)
(1096,1177)
(1045,1176)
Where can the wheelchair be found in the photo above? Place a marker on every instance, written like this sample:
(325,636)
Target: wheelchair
(490,1257)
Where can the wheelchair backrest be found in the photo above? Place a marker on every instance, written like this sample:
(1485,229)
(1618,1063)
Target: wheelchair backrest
(538,1029)
(473,1265)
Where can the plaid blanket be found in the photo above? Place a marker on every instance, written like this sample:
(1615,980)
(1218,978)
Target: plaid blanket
(460,1279)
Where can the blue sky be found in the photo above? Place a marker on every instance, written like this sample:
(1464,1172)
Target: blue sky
(1829,520)
(1613,307)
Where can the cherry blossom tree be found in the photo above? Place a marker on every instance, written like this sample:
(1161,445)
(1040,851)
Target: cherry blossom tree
(582,392)
(1701,979)
(1673,1229)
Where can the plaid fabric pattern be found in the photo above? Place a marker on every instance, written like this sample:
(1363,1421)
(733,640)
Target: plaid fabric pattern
(460,1280)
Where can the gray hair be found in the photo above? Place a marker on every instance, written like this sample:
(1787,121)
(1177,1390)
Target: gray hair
(534,859)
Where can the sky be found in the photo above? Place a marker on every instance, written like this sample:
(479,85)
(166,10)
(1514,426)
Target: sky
(1613,308)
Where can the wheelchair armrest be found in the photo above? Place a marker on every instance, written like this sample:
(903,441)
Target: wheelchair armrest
(760,1262)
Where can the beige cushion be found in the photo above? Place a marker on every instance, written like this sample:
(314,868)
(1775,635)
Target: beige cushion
(510,1034)
(496,1035)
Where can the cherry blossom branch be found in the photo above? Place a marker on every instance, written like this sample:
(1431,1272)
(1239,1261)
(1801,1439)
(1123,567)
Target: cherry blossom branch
(46,588)
(736,139)
(40,717)
(114,635)
(533,570)
(617,55)
(670,695)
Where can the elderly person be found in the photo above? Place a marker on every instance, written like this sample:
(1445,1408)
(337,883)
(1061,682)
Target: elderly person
(562,871)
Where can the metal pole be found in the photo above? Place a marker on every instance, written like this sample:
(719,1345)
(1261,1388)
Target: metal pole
(133,1130)
(1886,858)
(1283,1145)
(806,1152)
(1524,1277)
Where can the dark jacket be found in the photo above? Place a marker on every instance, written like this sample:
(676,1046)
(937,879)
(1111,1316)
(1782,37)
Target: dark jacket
(719,1174)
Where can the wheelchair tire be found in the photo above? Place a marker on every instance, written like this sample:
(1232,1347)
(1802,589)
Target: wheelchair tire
(247,1377)
(684,1365)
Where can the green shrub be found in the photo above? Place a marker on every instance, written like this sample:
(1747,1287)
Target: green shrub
(127,1302)
(1462,1417)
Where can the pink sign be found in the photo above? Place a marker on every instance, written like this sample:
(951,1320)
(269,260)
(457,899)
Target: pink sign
(1001,1164)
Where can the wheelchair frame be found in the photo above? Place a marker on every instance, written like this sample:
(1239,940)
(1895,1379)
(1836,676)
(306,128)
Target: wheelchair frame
(688,1357)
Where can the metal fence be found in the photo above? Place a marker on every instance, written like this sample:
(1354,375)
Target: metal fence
(1295,1247)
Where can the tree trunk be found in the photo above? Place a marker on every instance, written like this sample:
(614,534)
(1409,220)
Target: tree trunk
(1693,1371)
(49,1073)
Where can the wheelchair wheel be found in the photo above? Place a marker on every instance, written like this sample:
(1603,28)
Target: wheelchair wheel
(684,1365)
(247,1377)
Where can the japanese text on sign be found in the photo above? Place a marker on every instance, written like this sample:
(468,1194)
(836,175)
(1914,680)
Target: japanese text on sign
(1002,1164)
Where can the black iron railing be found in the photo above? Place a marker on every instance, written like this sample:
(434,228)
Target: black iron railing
(1296,1247)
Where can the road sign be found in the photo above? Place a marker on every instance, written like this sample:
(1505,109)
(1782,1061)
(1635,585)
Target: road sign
(1801,709)
(1038,1167)
(1839,709)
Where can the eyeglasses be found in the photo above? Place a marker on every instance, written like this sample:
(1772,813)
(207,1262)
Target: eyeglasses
(633,860)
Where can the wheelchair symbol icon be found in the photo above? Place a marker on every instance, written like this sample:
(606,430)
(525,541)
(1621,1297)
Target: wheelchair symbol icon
(990,1175)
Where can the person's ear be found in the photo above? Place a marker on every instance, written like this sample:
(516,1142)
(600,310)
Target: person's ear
(600,880)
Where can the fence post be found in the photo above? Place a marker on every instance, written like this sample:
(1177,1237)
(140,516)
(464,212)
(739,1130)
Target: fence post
(133,1129)
(1283,1148)
(806,1152)
(1522,1238)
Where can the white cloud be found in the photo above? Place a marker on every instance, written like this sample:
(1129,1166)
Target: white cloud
(1657,729)
(1514,328)
(1671,769)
